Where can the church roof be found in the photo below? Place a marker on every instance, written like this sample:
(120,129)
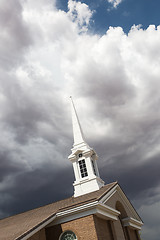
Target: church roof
(18,226)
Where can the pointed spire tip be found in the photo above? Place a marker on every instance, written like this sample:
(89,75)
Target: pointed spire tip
(77,130)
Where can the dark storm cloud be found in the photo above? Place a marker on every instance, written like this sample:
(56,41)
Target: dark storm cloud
(7,165)
(14,34)
(40,189)
(138,181)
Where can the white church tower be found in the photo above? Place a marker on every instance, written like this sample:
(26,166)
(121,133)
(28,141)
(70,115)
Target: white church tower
(84,160)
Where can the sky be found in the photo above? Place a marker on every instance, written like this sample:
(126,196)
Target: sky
(106,55)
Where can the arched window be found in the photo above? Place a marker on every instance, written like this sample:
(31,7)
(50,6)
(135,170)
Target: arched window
(68,235)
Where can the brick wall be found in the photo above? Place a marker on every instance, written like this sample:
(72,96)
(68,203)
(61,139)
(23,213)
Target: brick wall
(84,228)
(103,229)
(88,228)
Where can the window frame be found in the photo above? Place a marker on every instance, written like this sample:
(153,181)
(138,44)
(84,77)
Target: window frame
(82,168)
(69,231)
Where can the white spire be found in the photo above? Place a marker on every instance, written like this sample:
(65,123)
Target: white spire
(77,130)
(84,160)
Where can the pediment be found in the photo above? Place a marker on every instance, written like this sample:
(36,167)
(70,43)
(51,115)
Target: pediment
(116,197)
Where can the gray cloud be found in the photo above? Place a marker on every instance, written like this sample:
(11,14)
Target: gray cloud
(138,180)
(15,37)
(40,189)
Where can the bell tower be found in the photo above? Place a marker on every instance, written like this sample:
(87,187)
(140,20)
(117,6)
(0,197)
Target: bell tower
(84,160)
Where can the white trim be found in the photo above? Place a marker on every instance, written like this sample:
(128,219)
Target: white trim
(65,232)
(123,198)
(134,223)
(77,209)
(127,202)
(96,208)
(109,194)
(87,179)
(107,212)
(36,230)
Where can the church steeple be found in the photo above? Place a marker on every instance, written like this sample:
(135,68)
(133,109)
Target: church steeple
(77,130)
(84,160)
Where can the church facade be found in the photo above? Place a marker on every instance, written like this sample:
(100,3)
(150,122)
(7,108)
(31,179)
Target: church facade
(95,212)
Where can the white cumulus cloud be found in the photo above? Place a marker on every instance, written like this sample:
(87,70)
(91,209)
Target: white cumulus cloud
(115,3)
(80,13)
